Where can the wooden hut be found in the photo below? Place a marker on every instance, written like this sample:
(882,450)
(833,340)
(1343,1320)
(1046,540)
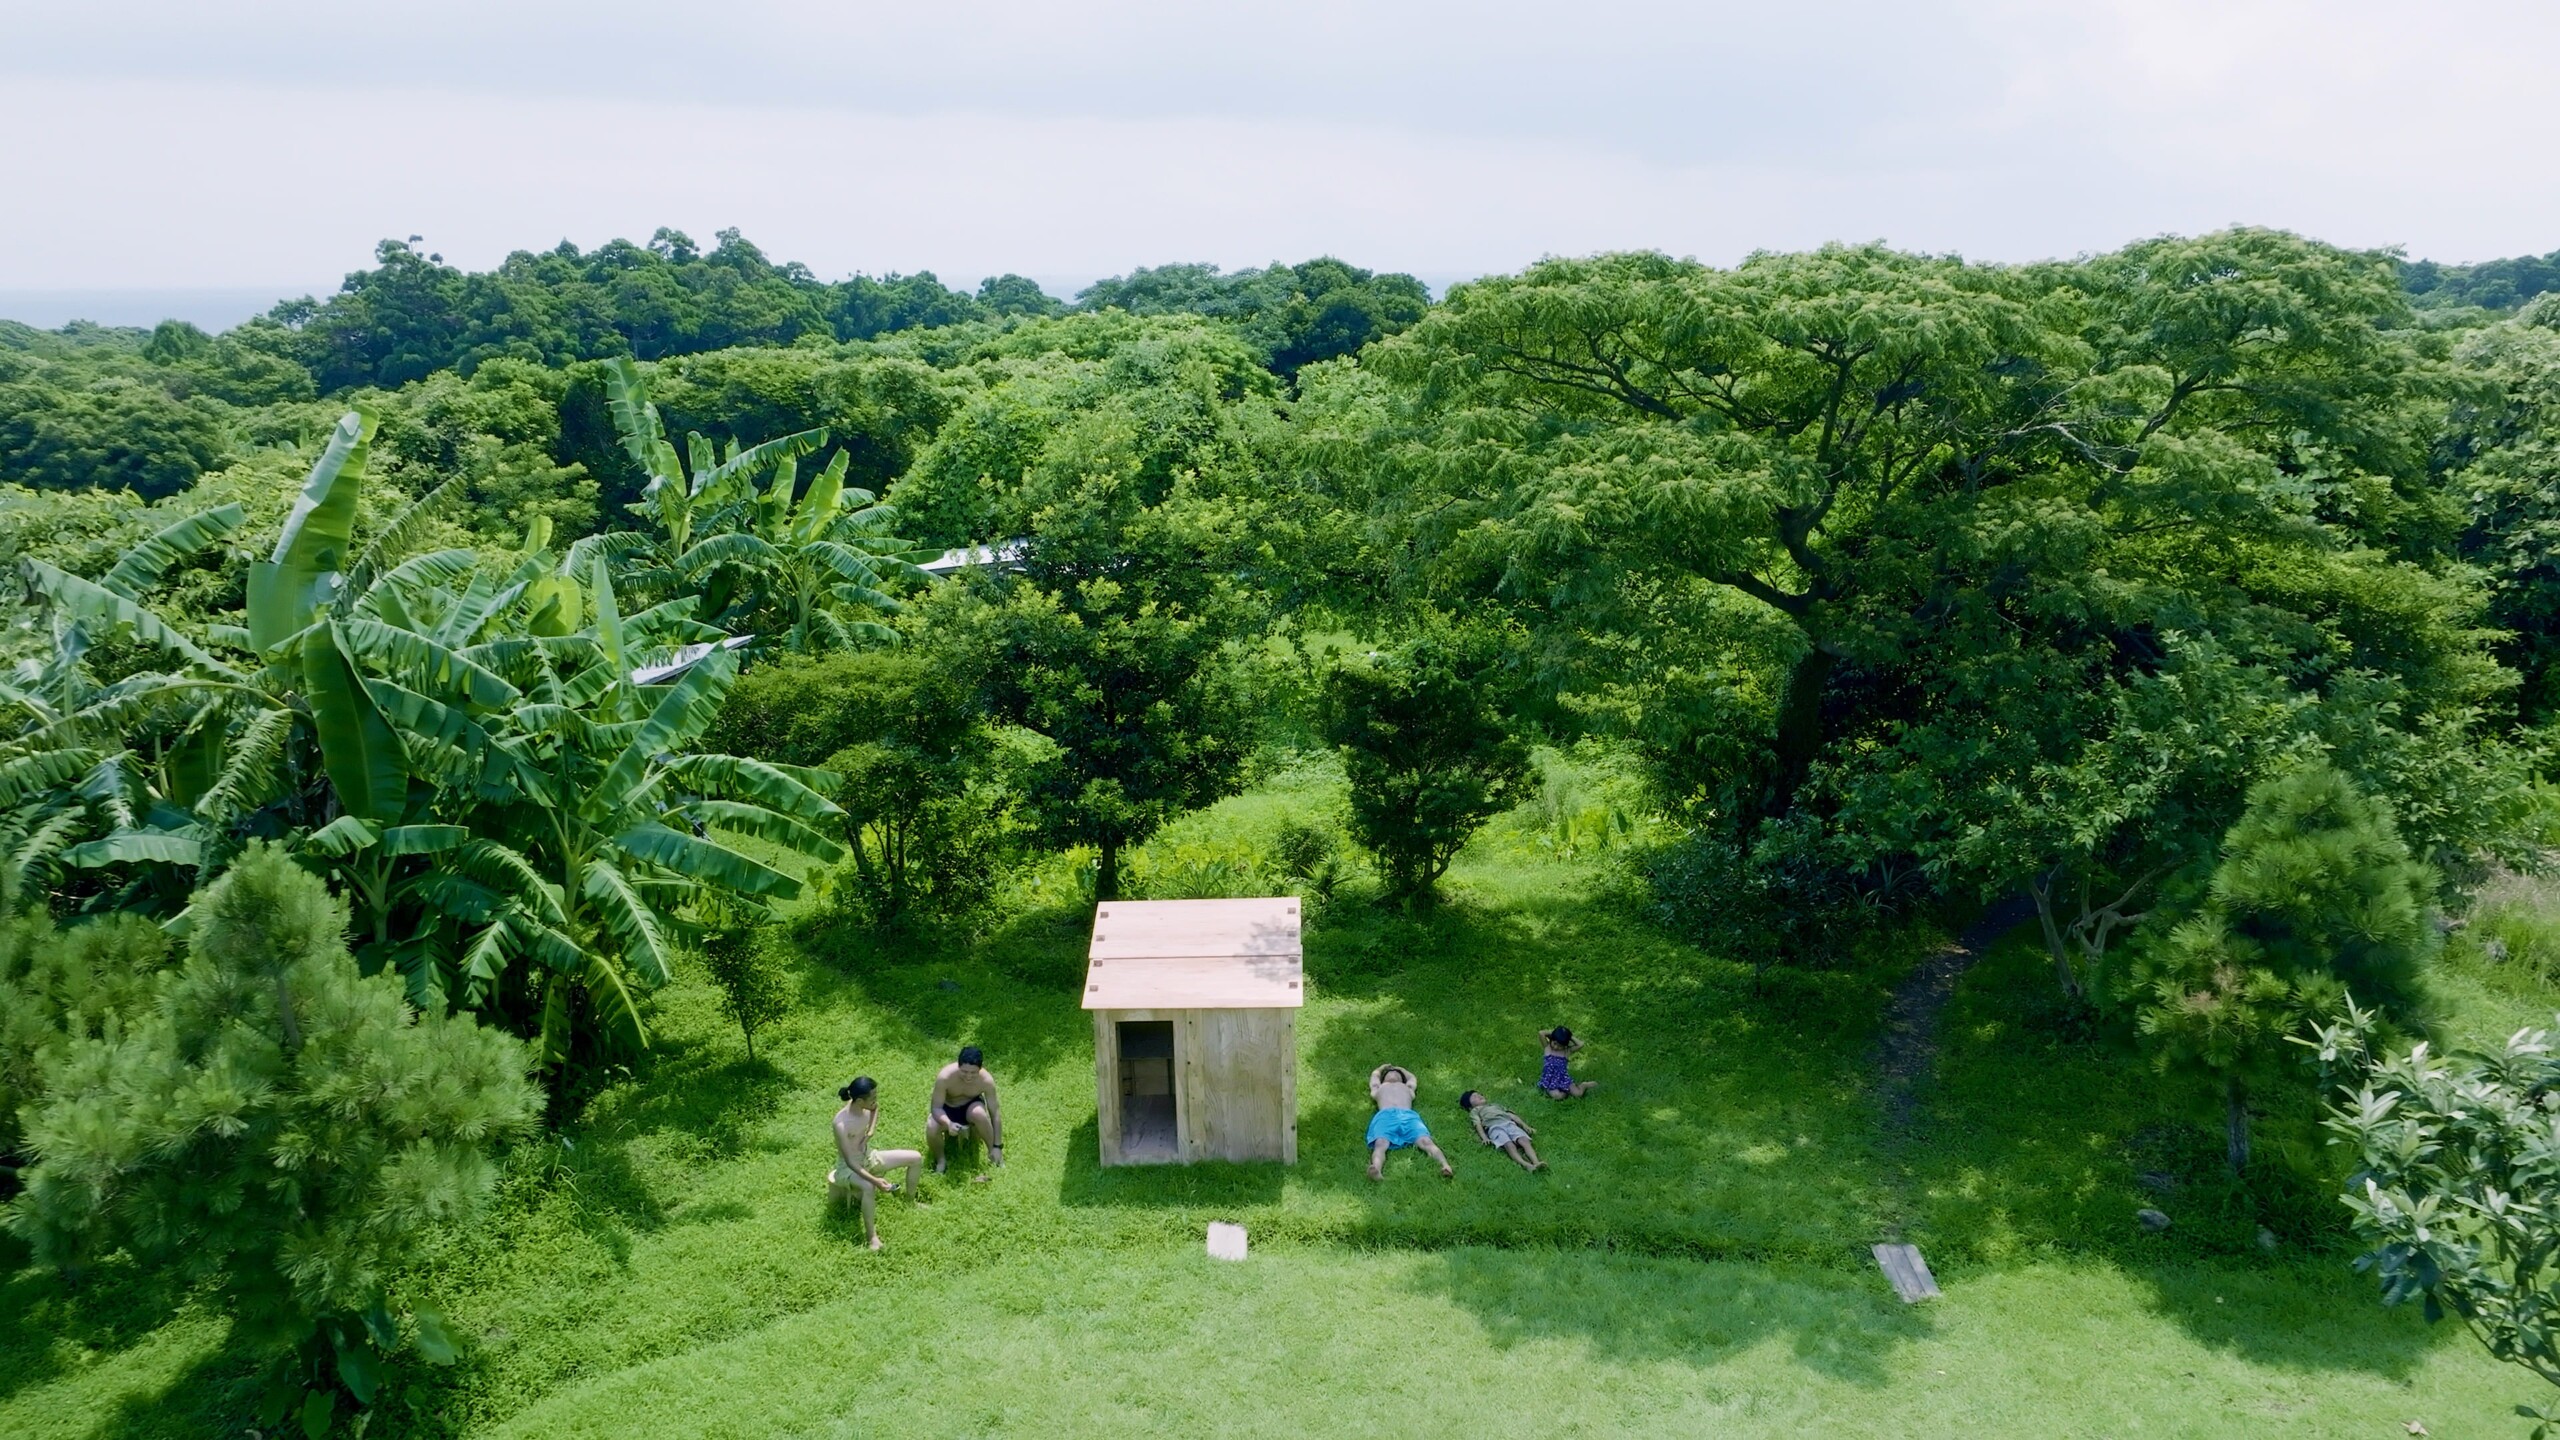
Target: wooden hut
(1195,1029)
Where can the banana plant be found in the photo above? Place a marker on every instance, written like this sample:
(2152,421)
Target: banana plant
(700,507)
(823,559)
(592,819)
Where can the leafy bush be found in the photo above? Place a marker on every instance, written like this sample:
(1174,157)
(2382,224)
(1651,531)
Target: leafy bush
(1310,855)
(279,1125)
(2455,1188)
(928,810)
(1429,755)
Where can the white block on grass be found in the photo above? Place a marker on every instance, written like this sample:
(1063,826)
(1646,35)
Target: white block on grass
(1226,1242)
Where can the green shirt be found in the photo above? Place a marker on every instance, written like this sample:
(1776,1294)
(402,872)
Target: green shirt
(1488,1112)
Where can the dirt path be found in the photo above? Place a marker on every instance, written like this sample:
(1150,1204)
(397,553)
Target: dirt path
(1907,1056)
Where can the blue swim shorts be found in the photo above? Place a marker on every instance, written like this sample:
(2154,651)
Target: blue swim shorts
(1399,1128)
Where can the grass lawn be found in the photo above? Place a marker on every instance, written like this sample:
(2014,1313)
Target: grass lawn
(1694,1258)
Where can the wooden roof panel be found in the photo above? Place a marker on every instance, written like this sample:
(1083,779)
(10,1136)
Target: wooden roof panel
(1195,955)
(1128,929)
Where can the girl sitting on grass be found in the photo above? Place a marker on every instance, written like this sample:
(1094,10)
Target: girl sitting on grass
(1501,1129)
(1554,1076)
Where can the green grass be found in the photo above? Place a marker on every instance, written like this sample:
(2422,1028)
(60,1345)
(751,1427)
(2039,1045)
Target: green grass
(1498,1343)
(1695,1257)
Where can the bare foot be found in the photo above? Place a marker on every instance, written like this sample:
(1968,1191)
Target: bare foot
(1374,1175)
(995,1154)
(876,1246)
(1447,1174)
(940,1166)
(981,1180)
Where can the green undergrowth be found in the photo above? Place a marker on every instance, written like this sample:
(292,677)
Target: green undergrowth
(673,1240)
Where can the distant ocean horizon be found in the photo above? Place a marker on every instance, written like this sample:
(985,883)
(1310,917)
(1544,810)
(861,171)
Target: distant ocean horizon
(208,308)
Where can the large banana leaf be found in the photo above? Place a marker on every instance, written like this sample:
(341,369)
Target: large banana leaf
(423,839)
(44,770)
(628,918)
(144,564)
(503,869)
(635,420)
(702,860)
(735,548)
(287,589)
(608,617)
(797,793)
(687,709)
(358,747)
(134,847)
(31,864)
(400,536)
(765,824)
(252,769)
(421,663)
(342,837)
(88,602)
(753,461)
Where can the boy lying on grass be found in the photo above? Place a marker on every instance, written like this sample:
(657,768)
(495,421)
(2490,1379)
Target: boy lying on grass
(1396,1125)
(1501,1129)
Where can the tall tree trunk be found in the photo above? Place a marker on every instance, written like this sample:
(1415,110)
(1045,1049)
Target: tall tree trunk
(2236,1127)
(1106,877)
(1799,737)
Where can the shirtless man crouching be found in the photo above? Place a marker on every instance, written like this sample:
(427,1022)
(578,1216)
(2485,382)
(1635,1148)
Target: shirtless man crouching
(964,1100)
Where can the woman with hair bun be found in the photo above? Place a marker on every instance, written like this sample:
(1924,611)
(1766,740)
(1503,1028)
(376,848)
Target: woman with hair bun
(859,1167)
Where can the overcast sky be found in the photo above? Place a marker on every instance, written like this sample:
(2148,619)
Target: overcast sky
(271,143)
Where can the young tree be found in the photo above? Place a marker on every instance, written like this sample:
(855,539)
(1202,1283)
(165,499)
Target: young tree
(1118,633)
(754,987)
(279,1125)
(2314,900)
(1428,753)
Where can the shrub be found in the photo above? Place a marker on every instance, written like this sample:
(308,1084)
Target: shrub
(1428,754)
(1311,856)
(927,815)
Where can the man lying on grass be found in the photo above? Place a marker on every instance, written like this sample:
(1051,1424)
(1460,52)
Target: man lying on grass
(858,1165)
(963,1101)
(1396,1125)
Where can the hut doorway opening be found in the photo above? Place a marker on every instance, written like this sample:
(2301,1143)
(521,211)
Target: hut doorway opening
(1149,1128)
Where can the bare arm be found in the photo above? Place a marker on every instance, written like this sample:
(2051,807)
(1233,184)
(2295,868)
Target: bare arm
(995,1117)
(933,1101)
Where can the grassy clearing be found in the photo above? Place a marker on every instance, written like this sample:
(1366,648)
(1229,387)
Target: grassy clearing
(1527,1342)
(1696,1253)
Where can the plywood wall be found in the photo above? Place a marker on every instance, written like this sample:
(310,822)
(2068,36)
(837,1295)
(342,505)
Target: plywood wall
(1235,1082)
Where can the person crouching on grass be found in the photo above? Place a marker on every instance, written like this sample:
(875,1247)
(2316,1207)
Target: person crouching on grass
(963,1100)
(1396,1125)
(859,1167)
(1501,1129)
